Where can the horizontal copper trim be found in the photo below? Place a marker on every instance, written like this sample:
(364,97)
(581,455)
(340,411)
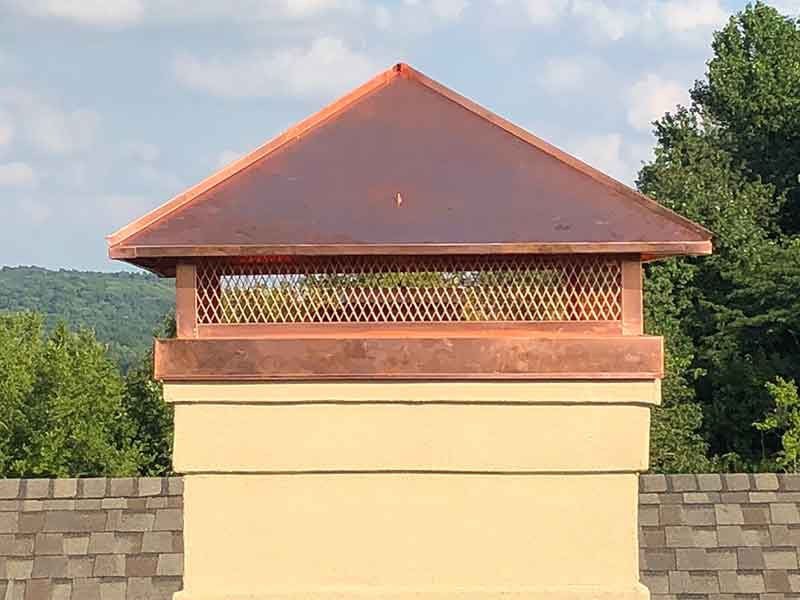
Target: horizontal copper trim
(406,330)
(649,248)
(477,357)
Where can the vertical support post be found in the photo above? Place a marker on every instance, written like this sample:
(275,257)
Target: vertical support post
(632,307)
(186,300)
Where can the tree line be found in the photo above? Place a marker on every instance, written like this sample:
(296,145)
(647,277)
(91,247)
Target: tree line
(730,160)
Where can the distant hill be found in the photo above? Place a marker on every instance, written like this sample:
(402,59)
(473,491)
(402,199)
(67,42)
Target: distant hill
(122,308)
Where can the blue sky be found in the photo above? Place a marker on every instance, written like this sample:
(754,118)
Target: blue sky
(108,108)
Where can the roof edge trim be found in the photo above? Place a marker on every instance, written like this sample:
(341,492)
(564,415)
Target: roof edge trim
(652,248)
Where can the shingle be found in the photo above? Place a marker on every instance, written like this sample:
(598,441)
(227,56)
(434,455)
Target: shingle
(109,565)
(93,488)
(699,515)
(113,590)
(48,543)
(729,514)
(734,582)
(150,486)
(9,489)
(784,513)
(657,583)
(780,559)
(751,559)
(169,519)
(86,589)
(81,566)
(756,536)
(755,515)
(789,482)
(765,481)
(122,486)
(735,482)
(658,560)
(157,541)
(16,545)
(649,537)
(130,521)
(709,482)
(175,486)
(9,522)
(38,589)
(74,521)
(36,488)
(76,544)
(62,590)
(682,483)
(31,522)
(650,483)
(142,565)
(730,535)
(19,568)
(49,566)
(65,488)
(170,564)
(777,581)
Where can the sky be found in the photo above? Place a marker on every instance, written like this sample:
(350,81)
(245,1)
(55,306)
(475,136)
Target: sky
(108,108)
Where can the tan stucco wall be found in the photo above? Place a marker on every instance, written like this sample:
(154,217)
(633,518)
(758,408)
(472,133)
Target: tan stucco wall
(476,437)
(444,489)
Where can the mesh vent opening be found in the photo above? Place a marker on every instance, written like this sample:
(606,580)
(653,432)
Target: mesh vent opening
(415,289)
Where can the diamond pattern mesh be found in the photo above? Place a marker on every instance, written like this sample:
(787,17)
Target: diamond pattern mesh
(380,289)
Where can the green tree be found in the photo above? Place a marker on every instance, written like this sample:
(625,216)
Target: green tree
(784,419)
(152,417)
(729,161)
(67,414)
(752,96)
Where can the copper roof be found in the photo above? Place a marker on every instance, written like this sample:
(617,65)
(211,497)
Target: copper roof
(405,165)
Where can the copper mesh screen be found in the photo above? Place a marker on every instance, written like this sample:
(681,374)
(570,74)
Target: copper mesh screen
(380,289)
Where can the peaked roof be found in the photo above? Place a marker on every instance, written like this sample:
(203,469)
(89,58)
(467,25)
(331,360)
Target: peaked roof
(403,165)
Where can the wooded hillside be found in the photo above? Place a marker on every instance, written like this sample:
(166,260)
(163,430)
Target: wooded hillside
(122,308)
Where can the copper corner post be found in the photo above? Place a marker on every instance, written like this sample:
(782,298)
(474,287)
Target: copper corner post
(410,344)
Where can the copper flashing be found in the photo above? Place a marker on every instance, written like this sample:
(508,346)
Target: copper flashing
(486,357)
(470,182)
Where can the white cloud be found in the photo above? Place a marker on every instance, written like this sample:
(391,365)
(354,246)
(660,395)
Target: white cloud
(101,13)
(651,97)
(686,15)
(787,7)
(545,12)
(307,8)
(613,20)
(607,153)
(62,132)
(6,129)
(449,10)
(564,74)
(122,13)
(142,151)
(47,127)
(604,21)
(328,66)
(17,174)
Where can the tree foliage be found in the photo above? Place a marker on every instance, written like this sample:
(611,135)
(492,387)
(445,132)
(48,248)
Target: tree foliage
(62,402)
(732,320)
